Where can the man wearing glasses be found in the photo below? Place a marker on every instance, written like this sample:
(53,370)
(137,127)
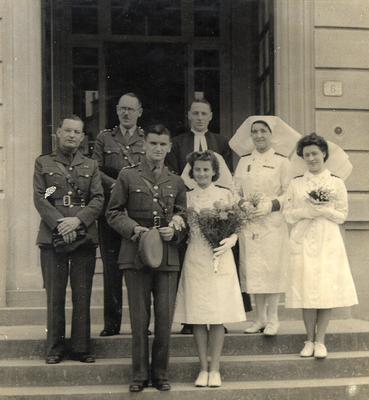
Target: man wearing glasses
(114,149)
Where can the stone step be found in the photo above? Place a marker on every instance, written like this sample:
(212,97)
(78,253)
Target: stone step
(185,369)
(10,316)
(236,343)
(299,389)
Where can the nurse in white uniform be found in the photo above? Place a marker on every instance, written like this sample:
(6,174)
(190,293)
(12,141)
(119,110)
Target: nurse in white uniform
(264,244)
(319,278)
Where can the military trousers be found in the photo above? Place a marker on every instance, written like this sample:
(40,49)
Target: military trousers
(162,286)
(79,266)
(113,276)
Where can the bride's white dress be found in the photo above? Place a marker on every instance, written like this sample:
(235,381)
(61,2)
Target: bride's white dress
(205,296)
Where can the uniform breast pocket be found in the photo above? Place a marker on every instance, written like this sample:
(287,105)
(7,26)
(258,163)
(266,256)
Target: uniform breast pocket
(54,177)
(112,156)
(84,180)
(169,196)
(137,154)
(139,198)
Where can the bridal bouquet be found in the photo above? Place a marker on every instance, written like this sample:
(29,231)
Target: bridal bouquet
(219,222)
(321,195)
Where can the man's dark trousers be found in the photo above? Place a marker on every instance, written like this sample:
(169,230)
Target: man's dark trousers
(80,266)
(109,242)
(141,283)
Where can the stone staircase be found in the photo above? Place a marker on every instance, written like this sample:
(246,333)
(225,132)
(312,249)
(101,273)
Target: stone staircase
(253,366)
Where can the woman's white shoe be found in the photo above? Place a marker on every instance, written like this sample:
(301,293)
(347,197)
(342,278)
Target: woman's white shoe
(271,328)
(256,327)
(214,379)
(308,350)
(202,379)
(320,351)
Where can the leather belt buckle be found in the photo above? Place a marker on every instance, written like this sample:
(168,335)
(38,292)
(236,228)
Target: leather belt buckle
(157,221)
(67,200)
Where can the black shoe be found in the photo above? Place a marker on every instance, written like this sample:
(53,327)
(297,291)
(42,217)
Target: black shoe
(138,386)
(56,359)
(187,329)
(83,357)
(163,386)
(109,332)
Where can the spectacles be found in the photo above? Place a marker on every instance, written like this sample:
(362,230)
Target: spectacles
(70,130)
(129,110)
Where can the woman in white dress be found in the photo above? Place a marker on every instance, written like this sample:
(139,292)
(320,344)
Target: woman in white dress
(319,277)
(205,297)
(263,242)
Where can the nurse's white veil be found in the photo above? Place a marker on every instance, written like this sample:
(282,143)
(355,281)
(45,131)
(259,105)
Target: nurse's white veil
(284,137)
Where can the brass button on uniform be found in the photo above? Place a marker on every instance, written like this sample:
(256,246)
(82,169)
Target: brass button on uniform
(127,147)
(70,168)
(71,206)
(70,193)
(156,187)
(155,200)
(155,213)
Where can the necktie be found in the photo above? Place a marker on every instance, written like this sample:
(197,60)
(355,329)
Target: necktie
(126,136)
(200,142)
(156,172)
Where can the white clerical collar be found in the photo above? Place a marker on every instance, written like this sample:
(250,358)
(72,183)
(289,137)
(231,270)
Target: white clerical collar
(130,130)
(199,141)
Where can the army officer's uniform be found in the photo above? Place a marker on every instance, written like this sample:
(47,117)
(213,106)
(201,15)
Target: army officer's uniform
(114,149)
(143,202)
(55,198)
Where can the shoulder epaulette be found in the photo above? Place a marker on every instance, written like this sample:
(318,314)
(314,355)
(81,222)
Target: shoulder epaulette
(298,176)
(130,166)
(47,154)
(106,130)
(222,187)
(279,154)
(246,155)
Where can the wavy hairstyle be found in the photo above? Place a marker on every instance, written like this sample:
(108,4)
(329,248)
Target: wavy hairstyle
(206,155)
(312,140)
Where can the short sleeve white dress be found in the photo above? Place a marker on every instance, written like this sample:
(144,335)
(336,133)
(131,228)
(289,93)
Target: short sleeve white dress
(205,296)
(319,274)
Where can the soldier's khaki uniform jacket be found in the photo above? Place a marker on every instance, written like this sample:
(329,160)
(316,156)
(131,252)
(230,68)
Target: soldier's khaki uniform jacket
(132,203)
(113,153)
(47,174)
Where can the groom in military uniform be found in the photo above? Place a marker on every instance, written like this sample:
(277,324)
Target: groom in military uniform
(146,196)
(114,149)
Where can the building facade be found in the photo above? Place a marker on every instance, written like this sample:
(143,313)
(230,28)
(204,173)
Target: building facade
(307,61)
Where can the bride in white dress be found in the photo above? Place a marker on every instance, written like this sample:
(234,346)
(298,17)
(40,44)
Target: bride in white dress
(206,297)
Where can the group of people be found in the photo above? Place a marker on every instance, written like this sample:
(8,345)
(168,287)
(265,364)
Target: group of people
(132,185)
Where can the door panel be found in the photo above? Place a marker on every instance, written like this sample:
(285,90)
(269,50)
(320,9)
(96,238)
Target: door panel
(155,72)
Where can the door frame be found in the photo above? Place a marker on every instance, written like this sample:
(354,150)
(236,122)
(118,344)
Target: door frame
(60,58)
(294,63)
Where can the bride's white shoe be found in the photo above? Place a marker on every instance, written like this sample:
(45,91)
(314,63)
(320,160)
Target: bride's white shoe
(202,379)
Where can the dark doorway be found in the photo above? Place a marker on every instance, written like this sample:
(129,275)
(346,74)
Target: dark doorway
(156,73)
